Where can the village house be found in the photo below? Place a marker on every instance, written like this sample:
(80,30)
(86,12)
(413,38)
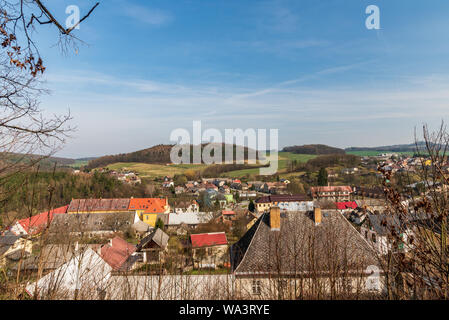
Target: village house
(118,254)
(296,202)
(149,209)
(252,218)
(331,193)
(13,248)
(153,246)
(287,255)
(186,206)
(209,250)
(227,217)
(127,177)
(365,192)
(377,229)
(346,206)
(357,216)
(350,170)
(140,228)
(183,222)
(168,182)
(98,205)
(90,224)
(52,256)
(37,223)
(179,190)
(84,277)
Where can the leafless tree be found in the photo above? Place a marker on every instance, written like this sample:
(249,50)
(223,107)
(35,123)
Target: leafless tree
(417,262)
(27,133)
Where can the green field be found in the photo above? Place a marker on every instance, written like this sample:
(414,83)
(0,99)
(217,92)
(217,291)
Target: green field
(283,159)
(146,170)
(373,153)
(78,164)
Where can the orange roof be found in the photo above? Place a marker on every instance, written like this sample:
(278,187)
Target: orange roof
(149,205)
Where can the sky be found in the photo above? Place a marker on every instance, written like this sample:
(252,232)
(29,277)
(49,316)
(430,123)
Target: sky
(308,68)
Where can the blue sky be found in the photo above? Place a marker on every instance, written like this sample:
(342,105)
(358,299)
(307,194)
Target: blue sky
(309,68)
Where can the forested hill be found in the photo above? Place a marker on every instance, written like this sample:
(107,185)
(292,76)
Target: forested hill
(159,154)
(314,149)
(412,147)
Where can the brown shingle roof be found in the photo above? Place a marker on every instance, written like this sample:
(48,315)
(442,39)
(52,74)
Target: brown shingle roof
(98,205)
(301,246)
(283,198)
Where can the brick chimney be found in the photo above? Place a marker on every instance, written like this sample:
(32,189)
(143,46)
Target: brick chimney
(317,216)
(275,219)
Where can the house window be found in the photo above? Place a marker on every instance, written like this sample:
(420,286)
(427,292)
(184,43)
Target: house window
(256,287)
(209,251)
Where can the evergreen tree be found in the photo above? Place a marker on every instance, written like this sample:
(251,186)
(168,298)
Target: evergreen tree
(251,206)
(322,177)
(159,224)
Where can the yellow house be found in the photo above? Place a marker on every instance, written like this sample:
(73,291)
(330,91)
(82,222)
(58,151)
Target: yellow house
(149,218)
(148,209)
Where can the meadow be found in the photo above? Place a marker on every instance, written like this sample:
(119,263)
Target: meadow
(159,170)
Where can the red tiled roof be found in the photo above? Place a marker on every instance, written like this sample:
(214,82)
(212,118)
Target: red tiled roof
(117,254)
(208,239)
(227,212)
(346,205)
(150,205)
(37,223)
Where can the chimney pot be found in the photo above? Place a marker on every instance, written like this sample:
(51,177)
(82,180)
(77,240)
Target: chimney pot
(317,216)
(275,219)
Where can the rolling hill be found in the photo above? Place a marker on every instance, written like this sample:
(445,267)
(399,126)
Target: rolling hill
(315,149)
(159,154)
(398,148)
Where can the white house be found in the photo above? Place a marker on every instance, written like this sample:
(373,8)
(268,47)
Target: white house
(84,276)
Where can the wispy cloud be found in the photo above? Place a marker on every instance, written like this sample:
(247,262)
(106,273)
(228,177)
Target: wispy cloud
(298,111)
(279,17)
(147,15)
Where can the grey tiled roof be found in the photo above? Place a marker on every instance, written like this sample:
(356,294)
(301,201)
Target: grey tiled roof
(7,242)
(301,247)
(157,236)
